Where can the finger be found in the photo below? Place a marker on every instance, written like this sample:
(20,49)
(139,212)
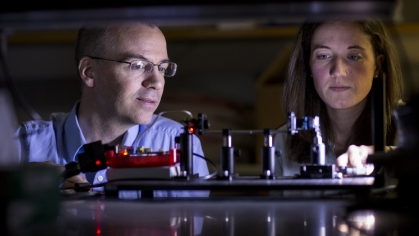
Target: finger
(364,151)
(370,149)
(77,179)
(67,184)
(354,158)
(74,181)
(370,168)
(358,156)
(342,160)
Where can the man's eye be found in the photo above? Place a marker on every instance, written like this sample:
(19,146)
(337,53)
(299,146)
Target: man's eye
(137,65)
(163,66)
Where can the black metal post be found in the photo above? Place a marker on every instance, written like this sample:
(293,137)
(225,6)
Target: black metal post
(186,153)
(378,113)
(268,156)
(227,156)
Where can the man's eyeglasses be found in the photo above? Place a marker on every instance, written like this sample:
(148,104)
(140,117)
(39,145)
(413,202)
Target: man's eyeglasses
(167,69)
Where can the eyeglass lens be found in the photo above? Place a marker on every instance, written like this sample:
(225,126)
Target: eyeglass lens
(166,68)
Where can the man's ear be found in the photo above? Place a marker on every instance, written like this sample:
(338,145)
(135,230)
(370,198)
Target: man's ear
(86,71)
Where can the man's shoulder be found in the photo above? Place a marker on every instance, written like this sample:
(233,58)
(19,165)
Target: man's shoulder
(35,136)
(34,125)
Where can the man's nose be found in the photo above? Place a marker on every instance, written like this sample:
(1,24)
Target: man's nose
(154,79)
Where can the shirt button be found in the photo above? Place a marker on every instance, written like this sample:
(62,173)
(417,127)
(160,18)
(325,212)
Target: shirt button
(100,178)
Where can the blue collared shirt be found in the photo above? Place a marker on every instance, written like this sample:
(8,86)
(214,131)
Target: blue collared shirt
(60,139)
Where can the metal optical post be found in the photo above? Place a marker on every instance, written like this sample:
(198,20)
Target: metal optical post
(186,150)
(227,156)
(268,156)
(191,126)
(317,169)
(318,149)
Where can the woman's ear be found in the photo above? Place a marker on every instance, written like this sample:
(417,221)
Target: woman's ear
(379,65)
(86,71)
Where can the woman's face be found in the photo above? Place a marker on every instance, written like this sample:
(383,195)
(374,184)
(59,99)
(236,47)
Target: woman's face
(343,64)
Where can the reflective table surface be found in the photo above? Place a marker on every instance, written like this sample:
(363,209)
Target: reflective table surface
(98,214)
(230,216)
(249,216)
(300,207)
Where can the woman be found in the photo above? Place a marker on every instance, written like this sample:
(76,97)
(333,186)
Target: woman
(330,75)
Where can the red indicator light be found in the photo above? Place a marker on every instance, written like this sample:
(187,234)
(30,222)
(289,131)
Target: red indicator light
(98,232)
(97,162)
(191,130)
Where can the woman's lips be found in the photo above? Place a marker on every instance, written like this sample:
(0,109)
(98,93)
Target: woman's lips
(339,89)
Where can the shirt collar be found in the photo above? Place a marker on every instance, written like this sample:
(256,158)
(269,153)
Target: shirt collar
(75,139)
(73,134)
(131,135)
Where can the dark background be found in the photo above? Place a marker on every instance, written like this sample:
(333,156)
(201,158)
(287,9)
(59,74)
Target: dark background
(230,68)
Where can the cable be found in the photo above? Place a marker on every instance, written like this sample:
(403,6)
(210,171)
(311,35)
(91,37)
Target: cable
(212,163)
(137,140)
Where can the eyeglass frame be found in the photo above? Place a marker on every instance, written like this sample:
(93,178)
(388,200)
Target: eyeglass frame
(130,64)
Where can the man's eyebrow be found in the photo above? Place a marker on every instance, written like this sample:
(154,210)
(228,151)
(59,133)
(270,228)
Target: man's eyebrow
(141,57)
(138,57)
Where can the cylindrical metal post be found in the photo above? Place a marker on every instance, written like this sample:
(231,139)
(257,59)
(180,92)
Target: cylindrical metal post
(268,156)
(186,153)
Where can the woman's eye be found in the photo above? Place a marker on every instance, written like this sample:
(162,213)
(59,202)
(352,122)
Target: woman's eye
(323,56)
(354,57)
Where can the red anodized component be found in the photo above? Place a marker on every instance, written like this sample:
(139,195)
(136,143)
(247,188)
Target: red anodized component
(155,159)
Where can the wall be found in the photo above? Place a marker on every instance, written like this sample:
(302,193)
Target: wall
(218,74)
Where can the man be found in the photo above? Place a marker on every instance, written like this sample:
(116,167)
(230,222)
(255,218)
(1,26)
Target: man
(122,68)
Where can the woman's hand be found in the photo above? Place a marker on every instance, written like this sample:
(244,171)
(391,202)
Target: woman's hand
(356,157)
